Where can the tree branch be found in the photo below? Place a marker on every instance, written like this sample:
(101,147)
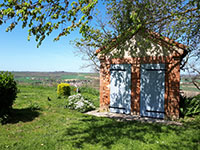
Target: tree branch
(170,16)
(196,84)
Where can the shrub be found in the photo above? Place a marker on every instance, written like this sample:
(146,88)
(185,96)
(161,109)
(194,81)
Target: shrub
(92,98)
(8,92)
(90,94)
(63,89)
(90,90)
(190,106)
(73,89)
(77,102)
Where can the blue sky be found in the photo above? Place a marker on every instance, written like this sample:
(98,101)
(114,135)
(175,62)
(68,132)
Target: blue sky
(19,54)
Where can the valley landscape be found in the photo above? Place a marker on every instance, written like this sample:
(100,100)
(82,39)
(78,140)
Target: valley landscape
(91,79)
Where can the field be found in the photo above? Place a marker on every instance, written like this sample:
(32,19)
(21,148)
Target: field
(54,78)
(188,87)
(51,76)
(39,124)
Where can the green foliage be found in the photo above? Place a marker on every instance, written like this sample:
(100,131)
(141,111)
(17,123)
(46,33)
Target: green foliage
(90,94)
(175,19)
(8,92)
(73,89)
(190,106)
(77,102)
(179,20)
(179,17)
(91,98)
(63,89)
(42,17)
(90,90)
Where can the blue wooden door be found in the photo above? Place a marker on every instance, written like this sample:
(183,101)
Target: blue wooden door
(152,90)
(120,88)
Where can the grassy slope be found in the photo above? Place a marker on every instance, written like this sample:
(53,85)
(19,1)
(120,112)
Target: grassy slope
(39,124)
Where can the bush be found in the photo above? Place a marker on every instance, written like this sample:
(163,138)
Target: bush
(63,89)
(190,106)
(90,94)
(8,92)
(92,98)
(90,90)
(73,89)
(77,102)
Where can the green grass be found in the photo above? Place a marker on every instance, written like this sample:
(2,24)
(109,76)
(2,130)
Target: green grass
(32,77)
(39,124)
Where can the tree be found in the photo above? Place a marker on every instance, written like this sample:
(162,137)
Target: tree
(44,16)
(87,54)
(177,19)
(193,70)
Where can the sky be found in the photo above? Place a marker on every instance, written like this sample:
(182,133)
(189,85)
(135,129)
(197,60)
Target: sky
(19,54)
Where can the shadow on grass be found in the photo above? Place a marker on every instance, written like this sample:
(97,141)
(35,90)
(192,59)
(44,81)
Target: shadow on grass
(23,115)
(109,132)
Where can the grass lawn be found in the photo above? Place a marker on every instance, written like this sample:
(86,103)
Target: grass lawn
(39,124)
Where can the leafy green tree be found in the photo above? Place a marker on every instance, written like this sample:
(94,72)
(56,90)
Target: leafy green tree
(177,19)
(44,16)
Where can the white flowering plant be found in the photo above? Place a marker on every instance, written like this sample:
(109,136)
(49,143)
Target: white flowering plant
(77,102)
